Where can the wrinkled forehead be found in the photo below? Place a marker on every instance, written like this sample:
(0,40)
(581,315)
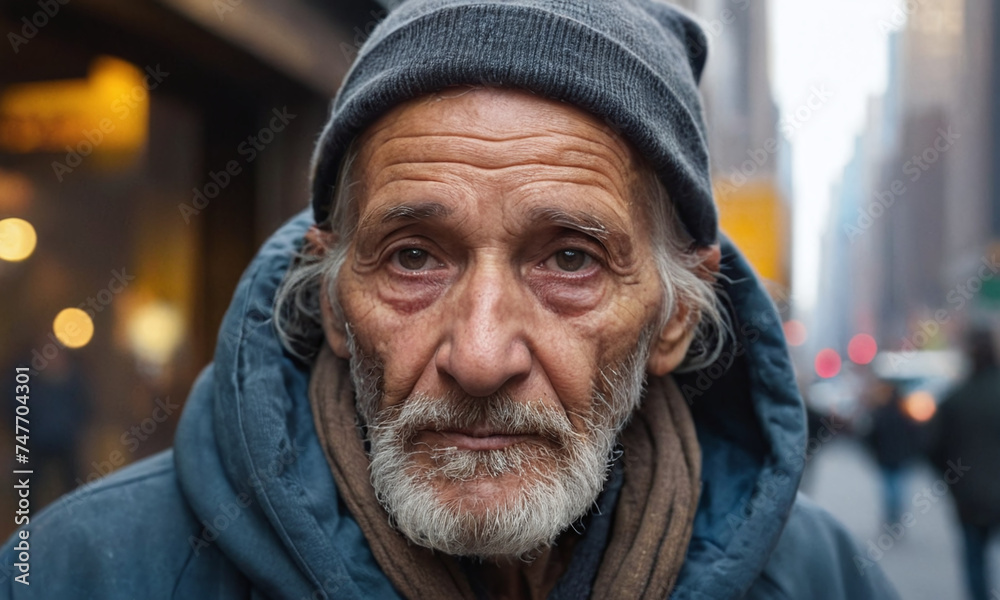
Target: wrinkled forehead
(500,122)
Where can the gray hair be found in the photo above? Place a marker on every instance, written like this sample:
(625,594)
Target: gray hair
(684,278)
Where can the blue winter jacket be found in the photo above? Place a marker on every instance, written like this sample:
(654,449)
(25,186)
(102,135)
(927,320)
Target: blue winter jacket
(245,506)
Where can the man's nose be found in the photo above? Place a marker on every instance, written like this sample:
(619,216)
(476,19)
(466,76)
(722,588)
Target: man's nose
(486,347)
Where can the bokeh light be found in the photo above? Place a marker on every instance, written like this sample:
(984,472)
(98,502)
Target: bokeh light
(862,349)
(73,328)
(920,406)
(17,239)
(155,331)
(795,332)
(827,363)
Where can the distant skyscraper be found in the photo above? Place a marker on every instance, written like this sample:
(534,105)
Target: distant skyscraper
(746,149)
(931,143)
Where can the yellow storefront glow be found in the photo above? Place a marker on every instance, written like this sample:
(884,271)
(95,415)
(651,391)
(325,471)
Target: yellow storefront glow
(108,110)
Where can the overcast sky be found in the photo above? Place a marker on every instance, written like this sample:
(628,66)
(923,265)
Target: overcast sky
(840,46)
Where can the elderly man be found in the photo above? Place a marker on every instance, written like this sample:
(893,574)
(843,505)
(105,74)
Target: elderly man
(461,376)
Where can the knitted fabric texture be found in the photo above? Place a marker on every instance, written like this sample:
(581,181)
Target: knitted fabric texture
(634,63)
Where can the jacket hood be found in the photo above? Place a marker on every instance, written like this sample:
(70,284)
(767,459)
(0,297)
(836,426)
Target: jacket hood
(251,467)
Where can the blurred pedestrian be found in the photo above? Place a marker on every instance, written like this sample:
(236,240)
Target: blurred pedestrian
(967,434)
(894,440)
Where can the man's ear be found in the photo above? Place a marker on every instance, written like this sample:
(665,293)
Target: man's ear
(673,341)
(319,241)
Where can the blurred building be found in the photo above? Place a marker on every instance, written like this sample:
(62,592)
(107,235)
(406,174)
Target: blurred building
(749,155)
(917,223)
(845,292)
(931,59)
(151,146)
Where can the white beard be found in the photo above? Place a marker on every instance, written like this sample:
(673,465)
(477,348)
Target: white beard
(560,477)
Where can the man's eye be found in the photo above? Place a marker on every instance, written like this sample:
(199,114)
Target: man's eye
(412,259)
(570,260)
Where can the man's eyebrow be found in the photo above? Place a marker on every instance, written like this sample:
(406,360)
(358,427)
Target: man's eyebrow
(411,211)
(614,238)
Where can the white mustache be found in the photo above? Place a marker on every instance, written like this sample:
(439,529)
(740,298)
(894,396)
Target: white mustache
(498,414)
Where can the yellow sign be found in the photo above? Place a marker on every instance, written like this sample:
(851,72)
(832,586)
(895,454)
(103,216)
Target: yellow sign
(107,111)
(756,220)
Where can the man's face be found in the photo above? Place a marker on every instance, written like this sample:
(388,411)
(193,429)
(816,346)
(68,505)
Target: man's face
(495,294)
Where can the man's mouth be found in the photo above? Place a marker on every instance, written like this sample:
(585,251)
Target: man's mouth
(475,438)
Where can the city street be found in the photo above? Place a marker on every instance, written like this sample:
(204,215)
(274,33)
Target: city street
(792,206)
(925,562)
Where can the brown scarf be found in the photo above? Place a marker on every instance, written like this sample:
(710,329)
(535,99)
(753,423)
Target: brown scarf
(653,518)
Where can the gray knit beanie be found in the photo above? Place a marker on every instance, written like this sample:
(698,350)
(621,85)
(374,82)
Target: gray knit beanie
(634,63)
